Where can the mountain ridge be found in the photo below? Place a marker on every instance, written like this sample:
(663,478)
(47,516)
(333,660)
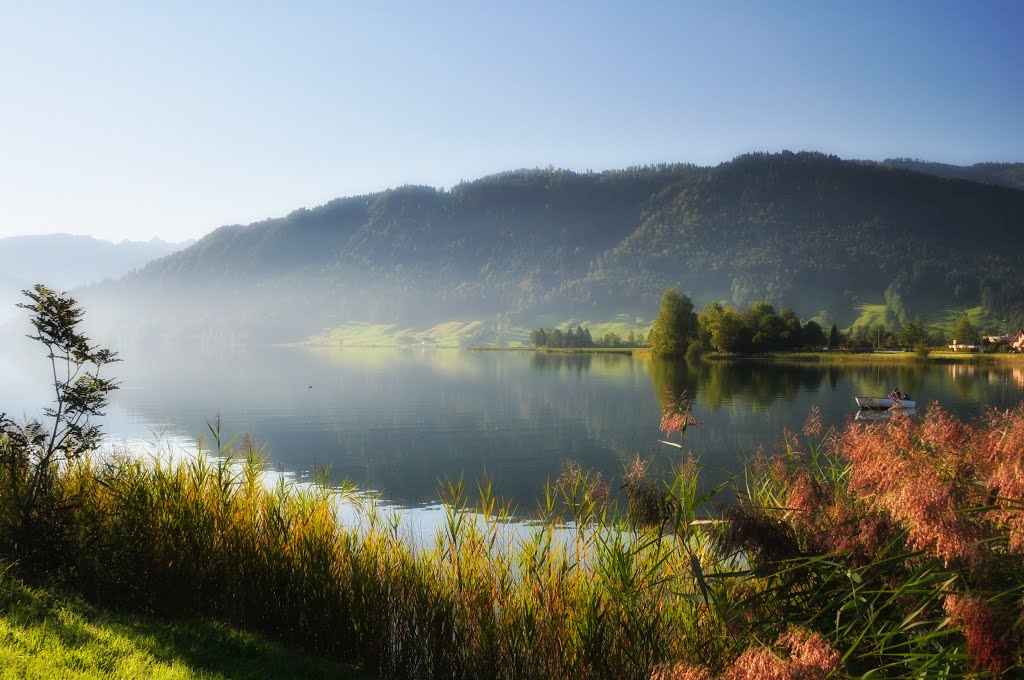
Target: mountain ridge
(808,230)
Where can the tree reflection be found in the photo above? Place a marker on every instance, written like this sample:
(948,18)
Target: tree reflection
(717,383)
(556,361)
(671,380)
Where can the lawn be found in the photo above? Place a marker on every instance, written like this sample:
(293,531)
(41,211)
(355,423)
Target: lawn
(46,634)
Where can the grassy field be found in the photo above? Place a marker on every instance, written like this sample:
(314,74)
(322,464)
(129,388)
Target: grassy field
(873,314)
(562,350)
(465,333)
(945,318)
(940,318)
(448,334)
(47,634)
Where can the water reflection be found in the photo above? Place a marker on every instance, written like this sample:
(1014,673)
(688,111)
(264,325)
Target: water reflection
(759,386)
(549,361)
(401,420)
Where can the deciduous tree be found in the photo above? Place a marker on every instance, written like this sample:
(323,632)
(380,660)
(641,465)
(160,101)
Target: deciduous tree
(31,452)
(675,326)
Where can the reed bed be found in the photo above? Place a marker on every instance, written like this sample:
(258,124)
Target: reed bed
(884,550)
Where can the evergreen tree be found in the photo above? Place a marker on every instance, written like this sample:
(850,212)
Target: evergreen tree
(964,331)
(813,336)
(913,333)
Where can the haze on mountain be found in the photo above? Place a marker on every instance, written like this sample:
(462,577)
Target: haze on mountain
(67,261)
(806,230)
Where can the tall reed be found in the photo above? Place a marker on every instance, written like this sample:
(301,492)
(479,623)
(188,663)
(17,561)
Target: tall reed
(884,550)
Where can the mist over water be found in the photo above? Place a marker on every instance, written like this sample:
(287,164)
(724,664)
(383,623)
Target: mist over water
(403,421)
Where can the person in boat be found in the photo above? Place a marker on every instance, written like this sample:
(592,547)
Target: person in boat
(895,395)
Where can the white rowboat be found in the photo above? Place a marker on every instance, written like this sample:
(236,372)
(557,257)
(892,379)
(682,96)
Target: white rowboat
(883,402)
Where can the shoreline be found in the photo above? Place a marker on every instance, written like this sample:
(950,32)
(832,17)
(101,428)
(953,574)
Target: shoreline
(834,357)
(560,350)
(841,357)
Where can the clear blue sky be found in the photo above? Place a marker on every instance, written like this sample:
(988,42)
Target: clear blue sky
(142,119)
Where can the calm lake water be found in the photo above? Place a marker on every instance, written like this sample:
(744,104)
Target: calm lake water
(399,421)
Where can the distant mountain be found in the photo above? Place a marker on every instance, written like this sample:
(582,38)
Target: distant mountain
(806,230)
(66,261)
(1004,174)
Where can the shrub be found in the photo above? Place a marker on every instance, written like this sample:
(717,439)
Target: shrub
(697,350)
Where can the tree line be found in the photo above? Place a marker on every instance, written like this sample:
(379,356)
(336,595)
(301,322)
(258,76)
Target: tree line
(680,330)
(583,338)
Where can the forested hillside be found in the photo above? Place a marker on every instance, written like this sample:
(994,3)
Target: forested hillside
(813,232)
(1004,174)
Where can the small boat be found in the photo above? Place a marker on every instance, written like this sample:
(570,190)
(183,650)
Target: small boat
(875,415)
(884,402)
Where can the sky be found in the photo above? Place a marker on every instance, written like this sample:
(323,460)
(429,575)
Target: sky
(168,119)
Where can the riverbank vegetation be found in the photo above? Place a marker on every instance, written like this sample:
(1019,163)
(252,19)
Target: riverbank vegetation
(882,550)
(893,547)
(872,358)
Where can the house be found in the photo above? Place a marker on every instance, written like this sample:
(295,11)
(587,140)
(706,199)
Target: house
(957,346)
(1017,344)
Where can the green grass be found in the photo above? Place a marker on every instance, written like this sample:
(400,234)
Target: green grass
(447,334)
(946,318)
(47,634)
(622,325)
(941,318)
(464,333)
(873,314)
(561,350)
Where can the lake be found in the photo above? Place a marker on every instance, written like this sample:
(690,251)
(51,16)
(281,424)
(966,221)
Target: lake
(400,421)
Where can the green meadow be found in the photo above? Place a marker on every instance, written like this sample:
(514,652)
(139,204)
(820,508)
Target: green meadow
(49,632)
